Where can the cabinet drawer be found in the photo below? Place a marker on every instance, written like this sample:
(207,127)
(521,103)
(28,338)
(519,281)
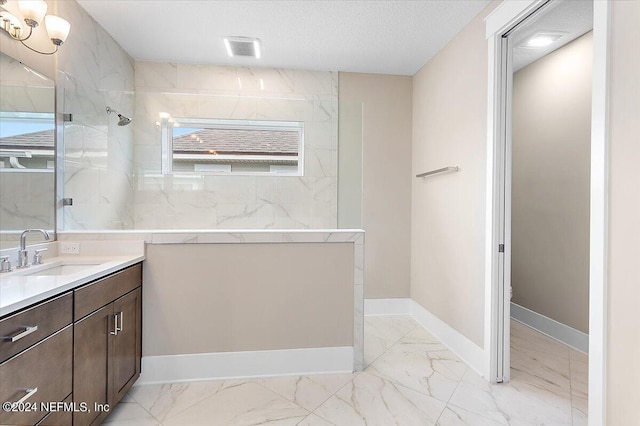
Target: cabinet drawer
(95,295)
(34,324)
(46,366)
(59,418)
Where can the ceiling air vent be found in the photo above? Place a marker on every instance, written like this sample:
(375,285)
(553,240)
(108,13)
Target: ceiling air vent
(242,46)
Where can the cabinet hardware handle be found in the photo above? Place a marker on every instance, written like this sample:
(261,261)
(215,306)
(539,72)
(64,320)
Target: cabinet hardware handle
(30,393)
(121,328)
(27,331)
(115,325)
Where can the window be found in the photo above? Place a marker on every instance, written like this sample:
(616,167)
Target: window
(245,147)
(27,141)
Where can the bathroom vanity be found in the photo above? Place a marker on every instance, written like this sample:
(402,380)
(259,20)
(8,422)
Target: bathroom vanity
(71,339)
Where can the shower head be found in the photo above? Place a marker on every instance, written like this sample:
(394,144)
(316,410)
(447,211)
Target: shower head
(122,120)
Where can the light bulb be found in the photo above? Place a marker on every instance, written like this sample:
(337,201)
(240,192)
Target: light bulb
(57,28)
(33,11)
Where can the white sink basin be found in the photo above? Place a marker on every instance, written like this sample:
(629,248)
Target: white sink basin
(58,268)
(65,269)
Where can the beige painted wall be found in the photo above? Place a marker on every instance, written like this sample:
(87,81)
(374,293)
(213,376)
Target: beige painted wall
(201,298)
(623,331)
(386,107)
(551,173)
(448,210)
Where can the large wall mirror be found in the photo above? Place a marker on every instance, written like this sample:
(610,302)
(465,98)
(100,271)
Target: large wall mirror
(27,151)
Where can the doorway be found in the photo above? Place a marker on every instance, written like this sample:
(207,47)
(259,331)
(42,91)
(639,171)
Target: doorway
(507,30)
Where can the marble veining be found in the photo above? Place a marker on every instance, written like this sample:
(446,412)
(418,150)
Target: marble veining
(93,72)
(366,398)
(372,400)
(307,391)
(240,404)
(236,202)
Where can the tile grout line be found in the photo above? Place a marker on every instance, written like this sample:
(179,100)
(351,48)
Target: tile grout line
(147,411)
(331,396)
(393,343)
(391,380)
(446,404)
(571,390)
(358,373)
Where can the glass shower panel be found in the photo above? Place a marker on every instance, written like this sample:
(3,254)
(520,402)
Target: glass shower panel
(350,165)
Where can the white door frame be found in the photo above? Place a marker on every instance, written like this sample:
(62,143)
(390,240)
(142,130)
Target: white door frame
(503,18)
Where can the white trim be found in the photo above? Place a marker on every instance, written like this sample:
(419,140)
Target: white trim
(399,306)
(599,216)
(472,354)
(249,364)
(550,327)
(491,239)
(508,13)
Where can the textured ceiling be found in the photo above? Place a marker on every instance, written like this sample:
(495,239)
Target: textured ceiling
(572,17)
(389,37)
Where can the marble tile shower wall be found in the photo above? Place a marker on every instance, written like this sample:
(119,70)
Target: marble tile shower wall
(184,201)
(94,72)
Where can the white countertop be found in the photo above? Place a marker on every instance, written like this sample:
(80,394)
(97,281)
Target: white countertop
(19,290)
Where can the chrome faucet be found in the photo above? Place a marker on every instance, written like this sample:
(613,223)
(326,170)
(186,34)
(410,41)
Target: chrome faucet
(23,255)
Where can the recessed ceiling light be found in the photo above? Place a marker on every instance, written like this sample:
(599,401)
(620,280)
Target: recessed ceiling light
(243,46)
(539,40)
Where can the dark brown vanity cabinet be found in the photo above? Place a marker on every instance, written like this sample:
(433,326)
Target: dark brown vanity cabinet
(80,352)
(108,343)
(36,354)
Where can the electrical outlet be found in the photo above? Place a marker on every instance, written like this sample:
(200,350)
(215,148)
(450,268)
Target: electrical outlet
(69,248)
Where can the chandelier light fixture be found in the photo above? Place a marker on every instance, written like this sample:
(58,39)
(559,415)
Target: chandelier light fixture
(33,13)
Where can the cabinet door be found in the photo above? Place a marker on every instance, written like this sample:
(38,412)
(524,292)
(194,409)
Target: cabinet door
(127,344)
(91,363)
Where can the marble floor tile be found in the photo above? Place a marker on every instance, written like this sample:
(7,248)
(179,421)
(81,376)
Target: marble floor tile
(307,391)
(541,369)
(514,403)
(390,327)
(456,416)
(130,414)
(371,400)
(314,420)
(580,409)
(524,337)
(247,403)
(579,418)
(374,346)
(426,340)
(381,332)
(413,380)
(578,356)
(579,377)
(127,398)
(538,360)
(164,401)
(416,366)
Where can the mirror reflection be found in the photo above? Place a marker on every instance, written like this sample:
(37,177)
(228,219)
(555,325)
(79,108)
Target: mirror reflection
(27,151)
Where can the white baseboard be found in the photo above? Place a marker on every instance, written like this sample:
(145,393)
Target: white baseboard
(552,328)
(399,306)
(250,364)
(473,355)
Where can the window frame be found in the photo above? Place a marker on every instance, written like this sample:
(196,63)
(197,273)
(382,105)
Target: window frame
(168,156)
